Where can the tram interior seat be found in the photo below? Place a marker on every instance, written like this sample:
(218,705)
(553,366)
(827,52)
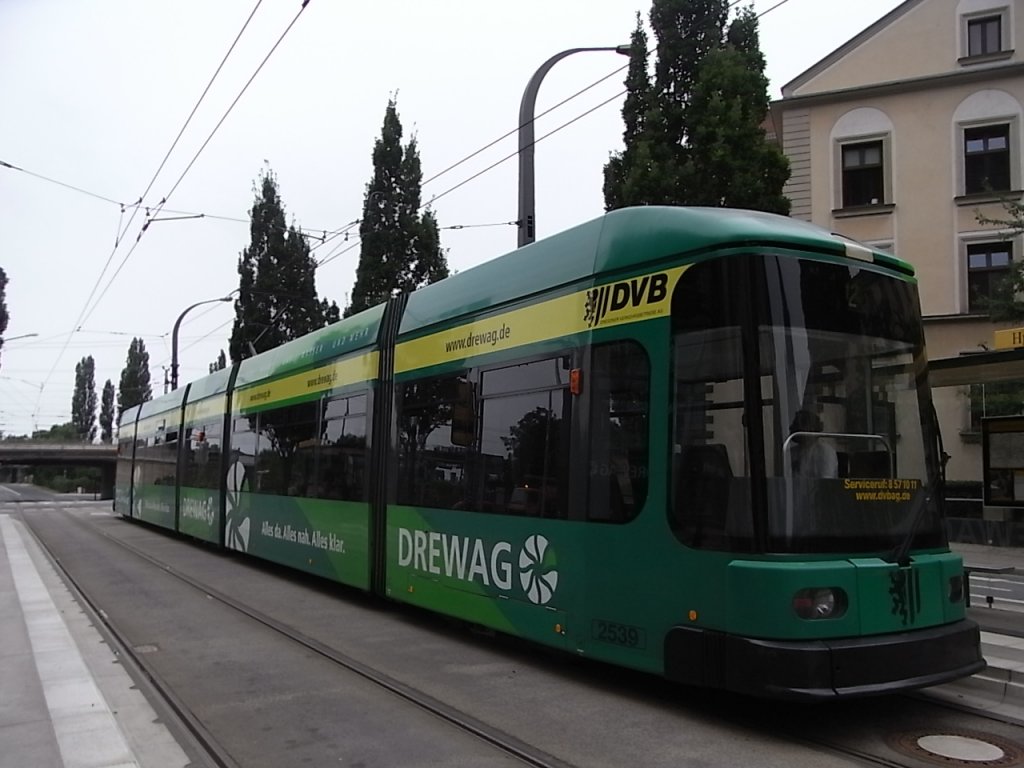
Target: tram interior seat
(702,495)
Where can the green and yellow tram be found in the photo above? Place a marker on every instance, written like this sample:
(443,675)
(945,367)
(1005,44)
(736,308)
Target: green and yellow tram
(695,442)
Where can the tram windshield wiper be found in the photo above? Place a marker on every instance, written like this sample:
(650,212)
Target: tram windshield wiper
(901,553)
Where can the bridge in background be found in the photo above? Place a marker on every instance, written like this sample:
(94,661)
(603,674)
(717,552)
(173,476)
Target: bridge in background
(18,455)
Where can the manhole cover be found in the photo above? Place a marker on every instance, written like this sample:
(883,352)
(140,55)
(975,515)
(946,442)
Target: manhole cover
(958,747)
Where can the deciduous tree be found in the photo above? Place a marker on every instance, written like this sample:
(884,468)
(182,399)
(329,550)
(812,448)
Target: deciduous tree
(58,433)
(134,387)
(400,248)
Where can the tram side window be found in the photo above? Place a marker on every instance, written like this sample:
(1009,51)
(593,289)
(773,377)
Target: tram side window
(123,471)
(166,468)
(342,458)
(619,384)
(243,449)
(288,437)
(710,492)
(202,455)
(152,455)
(523,467)
(124,452)
(124,449)
(432,452)
(140,459)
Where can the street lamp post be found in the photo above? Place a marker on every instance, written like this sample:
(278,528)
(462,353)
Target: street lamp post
(174,336)
(22,336)
(527,202)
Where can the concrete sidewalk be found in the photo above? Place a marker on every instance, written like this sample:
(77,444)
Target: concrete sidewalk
(999,689)
(68,702)
(994,556)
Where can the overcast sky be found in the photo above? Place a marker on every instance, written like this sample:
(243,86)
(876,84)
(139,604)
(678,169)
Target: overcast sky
(94,93)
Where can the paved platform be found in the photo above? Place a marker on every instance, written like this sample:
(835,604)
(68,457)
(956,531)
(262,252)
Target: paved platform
(67,701)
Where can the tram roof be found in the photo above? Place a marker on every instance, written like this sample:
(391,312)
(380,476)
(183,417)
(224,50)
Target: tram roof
(333,341)
(162,404)
(128,415)
(214,384)
(618,241)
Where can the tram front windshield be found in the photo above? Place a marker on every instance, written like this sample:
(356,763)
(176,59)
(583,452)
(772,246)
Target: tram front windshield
(802,418)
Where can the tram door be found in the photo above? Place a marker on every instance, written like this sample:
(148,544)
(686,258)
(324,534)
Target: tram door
(617,406)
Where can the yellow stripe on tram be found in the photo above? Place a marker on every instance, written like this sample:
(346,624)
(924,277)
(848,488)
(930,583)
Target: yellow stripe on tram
(644,297)
(338,374)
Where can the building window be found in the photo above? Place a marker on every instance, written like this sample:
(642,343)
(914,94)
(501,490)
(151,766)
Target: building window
(1001,398)
(984,35)
(987,159)
(863,174)
(987,265)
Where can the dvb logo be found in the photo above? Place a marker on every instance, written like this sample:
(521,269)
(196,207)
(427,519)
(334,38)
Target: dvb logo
(632,294)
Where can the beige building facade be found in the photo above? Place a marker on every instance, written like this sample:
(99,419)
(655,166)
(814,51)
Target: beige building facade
(905,138)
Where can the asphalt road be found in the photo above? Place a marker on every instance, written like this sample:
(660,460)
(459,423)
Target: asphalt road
(26,492)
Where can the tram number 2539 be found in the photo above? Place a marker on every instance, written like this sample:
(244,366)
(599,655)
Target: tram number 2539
(618,634)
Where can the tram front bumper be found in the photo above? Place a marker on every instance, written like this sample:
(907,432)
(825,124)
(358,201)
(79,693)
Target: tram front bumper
(824,669)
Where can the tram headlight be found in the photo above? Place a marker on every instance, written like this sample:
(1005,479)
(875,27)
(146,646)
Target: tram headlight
(820,603)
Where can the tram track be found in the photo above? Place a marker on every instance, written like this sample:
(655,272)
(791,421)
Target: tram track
(868,758)
(753,717)
(218,755)
(920,708)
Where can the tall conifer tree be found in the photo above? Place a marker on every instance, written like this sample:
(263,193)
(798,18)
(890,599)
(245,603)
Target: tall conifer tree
(134,386)
(694,135)
(400,249)
(630,177)
(107,412)
(83,400)
(220,363)
(3,306)
(277,299)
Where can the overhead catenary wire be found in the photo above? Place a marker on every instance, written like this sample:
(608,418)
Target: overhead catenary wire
(325,235)
(345,229)
(174,144)
(195,157)
(325,238)
(60,183)
(88,312)
(84,313)
(514,131)
(564,125)
(308,232)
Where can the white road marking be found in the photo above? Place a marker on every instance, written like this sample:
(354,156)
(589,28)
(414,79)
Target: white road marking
(10,491)
(87,733)
(990,580)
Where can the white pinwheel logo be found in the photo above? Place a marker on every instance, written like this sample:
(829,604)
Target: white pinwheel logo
(539,581)
(237,527)
(136,482)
